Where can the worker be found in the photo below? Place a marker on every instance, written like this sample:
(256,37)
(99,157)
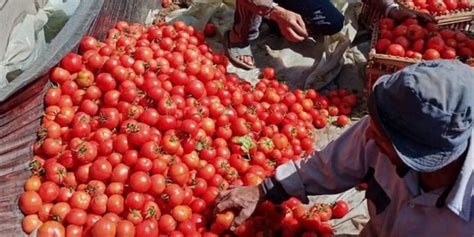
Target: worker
(414,150)
(296,20)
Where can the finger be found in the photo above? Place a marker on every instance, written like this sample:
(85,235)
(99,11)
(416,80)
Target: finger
(242,217)
(295,37)
(302,25)
(427,17)
(223,195)
(301,31)
(227,204)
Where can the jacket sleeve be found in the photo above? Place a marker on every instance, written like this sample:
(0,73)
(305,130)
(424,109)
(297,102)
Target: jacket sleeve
(379,5)
(338,167)
(260,7)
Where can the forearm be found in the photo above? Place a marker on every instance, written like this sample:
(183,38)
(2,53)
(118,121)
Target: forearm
(260,7)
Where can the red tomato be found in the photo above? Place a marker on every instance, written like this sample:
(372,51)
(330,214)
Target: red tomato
(30,202)
(340,209)
(210,29)
(104,228)
(51,229)
(396,50)
(431,54)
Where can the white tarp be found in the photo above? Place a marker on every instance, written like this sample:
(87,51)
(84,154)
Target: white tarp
(27,39)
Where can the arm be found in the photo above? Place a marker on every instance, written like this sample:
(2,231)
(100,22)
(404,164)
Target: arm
(260,7)
(338,167)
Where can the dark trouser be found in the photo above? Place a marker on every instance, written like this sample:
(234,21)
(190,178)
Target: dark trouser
(320,16)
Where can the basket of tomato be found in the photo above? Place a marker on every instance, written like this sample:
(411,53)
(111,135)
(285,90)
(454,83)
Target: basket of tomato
(456,14)
(398,44)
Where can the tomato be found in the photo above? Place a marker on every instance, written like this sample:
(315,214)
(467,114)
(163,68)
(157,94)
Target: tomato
(72,62)
(179,173)
(210,195)
(74,231)
(101,170)
(415,32)
(76,217)
(269,73)
(59,75)
(135,200)
(51,229)
(48,191)
(125,228)
(382,45)
(464,4)
(400,30)
(386,24)
(181,213)
(60,210)
(340,209)
(396,50)
(448,53)
(418,45)
(166,224)
(80,199)
(104,228)
(140,182)
(30,202)
(30,223)
(402,41)
(431,54)
(170,144)
(438,6)
(210,29)
(33,183)
(451,4)
(435,43)
(224,220)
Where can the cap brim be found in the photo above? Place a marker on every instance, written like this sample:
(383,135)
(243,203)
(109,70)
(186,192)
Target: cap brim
(417,156)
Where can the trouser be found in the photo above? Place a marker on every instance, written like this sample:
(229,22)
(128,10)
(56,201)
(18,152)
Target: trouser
(320,16)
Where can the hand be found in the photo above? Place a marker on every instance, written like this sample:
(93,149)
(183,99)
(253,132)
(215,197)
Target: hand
(402,13)
(291,24)
(243,198)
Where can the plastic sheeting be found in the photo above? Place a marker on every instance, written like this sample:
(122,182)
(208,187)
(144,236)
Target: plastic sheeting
(65,41)
(28,39)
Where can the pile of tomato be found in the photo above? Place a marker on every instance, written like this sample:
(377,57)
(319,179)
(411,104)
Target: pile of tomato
(412,40)
(437,7)
(143,130)
(293,219)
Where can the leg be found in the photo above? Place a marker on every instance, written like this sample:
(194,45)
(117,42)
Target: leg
(245,29)
(321,17)
(246,24)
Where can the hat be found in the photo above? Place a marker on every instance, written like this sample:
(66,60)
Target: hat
(426,110)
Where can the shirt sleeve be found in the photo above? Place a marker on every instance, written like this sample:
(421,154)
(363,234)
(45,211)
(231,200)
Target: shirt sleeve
(339,166)
(260,7)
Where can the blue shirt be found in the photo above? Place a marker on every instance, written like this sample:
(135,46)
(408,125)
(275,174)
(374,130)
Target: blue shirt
(397,206)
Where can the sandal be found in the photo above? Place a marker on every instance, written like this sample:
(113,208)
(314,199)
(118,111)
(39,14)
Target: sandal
(234,50)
